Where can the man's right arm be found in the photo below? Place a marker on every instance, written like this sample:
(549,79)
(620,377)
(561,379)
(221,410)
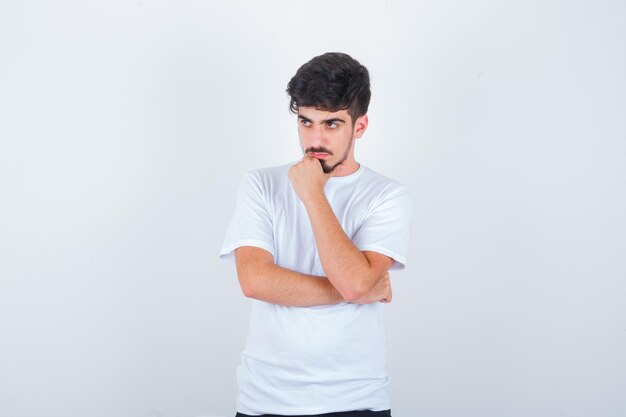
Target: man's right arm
(260,278)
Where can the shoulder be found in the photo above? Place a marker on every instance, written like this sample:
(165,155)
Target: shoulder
(269,182)
(267,176)
(382,186)
(269,173)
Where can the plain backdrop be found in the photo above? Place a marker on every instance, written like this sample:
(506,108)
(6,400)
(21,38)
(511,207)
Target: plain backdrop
(125,127)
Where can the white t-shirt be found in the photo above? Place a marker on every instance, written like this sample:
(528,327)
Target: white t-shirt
(321,359)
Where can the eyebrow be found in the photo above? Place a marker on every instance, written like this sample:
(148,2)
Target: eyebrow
(332,120)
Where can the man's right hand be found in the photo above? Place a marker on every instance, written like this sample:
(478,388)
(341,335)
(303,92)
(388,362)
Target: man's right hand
(381,292)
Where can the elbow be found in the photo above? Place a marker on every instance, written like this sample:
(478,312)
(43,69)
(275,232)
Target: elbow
(253,265)
(247,287)
(351,296)
(248,291)
(354,293)
(357,289)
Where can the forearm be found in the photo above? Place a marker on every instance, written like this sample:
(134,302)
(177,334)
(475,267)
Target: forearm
(346,267)
(277,285)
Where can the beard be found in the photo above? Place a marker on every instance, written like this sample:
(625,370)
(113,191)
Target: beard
(326,167)
(330,168)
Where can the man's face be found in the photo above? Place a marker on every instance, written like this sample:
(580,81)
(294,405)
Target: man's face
(329,137)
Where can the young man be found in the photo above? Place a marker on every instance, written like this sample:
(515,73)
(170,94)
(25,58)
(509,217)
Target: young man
(313,242)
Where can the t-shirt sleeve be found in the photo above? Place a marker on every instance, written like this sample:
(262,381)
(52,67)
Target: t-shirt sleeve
(251,224)
(387,227)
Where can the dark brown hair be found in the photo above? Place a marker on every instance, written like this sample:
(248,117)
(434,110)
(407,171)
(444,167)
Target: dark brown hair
(333,81)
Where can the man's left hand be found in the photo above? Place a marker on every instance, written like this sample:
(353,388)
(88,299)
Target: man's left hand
(308,178)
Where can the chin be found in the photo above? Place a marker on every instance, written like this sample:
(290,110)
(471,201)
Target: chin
(329,168)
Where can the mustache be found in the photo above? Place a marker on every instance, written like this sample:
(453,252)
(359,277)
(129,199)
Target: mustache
(318,150)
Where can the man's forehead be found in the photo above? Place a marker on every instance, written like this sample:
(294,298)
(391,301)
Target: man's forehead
(314,114)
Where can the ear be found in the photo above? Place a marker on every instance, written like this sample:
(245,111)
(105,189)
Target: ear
(360,126)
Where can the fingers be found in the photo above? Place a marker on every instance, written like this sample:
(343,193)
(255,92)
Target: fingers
(386,300)
(388,290)
(307,158)
(307,163)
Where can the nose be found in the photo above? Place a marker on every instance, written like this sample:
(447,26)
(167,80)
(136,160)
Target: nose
(318,136)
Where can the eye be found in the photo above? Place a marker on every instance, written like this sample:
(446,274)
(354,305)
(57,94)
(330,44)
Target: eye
(305,122)
(331,125)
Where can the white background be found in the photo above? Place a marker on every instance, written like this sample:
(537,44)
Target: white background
(125,127)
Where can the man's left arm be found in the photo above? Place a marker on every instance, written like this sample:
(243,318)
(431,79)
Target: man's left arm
(351,271)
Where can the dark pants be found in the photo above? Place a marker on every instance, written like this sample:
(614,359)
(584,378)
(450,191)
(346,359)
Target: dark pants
(385,413)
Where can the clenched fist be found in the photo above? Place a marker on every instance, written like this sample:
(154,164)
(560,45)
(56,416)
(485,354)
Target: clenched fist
(308,178)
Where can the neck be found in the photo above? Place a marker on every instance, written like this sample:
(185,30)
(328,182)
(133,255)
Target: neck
(345,169)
